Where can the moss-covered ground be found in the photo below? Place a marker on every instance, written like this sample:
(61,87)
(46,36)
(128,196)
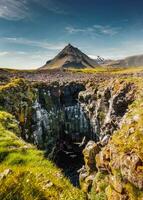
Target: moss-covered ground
(24,172)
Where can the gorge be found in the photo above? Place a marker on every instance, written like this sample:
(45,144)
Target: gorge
(66,117)
(73,124)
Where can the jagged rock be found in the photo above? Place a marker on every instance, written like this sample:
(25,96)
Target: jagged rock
(103,159)
(116,182)
(87,172)
(86,180)
(114,195)
(57,115)
(136,118)
(48,184)
(5,173)
(131,169)
(105,140)
(89,153)
(106,106)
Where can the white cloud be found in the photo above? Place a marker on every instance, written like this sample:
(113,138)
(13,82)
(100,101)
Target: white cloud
(71,30)
(20,9)
(54,6)
(25,60)
(95,29)
(3,53)
(13,9)
(35,59)
(106,30)
(34,43)
(124,49)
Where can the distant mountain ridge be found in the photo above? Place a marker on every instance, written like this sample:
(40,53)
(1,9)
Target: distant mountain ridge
(70,57)
(131,61)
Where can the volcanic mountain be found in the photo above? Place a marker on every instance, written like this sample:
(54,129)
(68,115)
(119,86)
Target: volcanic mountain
(70,57)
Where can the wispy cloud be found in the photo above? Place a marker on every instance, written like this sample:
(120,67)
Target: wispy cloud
(124,49)
(95,29)
(25,60)
(3,53)
(71,30)
(13,9)
(41,44)
(106,30)
(54,6)
(20,9)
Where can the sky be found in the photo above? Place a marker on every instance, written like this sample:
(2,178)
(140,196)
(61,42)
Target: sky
(34,31)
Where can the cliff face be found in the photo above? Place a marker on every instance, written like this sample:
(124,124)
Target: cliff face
(17,98)
(57,114)
(105,105)
(74,113)
(115,170)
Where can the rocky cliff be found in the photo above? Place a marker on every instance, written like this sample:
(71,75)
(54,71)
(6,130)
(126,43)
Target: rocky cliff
(115,170)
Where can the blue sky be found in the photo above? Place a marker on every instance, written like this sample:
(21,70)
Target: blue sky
(34,31)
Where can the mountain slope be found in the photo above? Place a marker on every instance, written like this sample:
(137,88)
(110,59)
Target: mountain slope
(70,57)
(131,61)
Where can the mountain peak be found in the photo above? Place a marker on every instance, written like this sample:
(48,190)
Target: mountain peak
(69,45)
(70,57)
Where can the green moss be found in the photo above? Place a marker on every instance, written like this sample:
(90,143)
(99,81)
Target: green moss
(100,184)
(100,176)
(17,98)
(99,196)
(127,141)
(133,192)
(101,116)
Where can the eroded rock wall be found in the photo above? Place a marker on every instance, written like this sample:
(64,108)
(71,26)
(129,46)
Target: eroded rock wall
(105,105)
(58,116)
(114,171)
(75,111)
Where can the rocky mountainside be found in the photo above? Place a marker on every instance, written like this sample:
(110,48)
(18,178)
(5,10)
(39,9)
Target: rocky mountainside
(131,61)
(70,57)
